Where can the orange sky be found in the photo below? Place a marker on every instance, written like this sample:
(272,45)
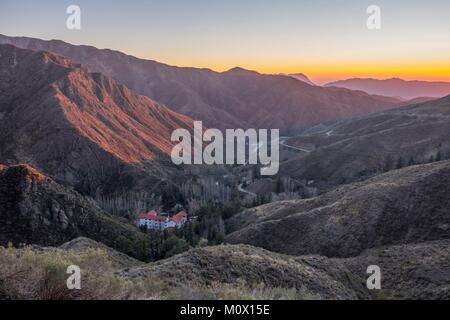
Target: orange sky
(323,70)
(323,73)
(326,40)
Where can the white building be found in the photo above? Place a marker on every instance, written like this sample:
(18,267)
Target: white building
(152,221)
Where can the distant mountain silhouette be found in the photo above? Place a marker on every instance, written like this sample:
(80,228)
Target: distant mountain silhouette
(235,98)
(395,87)
(302,77)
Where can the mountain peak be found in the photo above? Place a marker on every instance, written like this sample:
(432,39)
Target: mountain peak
(239,70)
(23,172)
(302,77)
(216,98)
(91,120)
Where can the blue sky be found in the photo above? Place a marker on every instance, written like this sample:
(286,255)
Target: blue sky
(324,38)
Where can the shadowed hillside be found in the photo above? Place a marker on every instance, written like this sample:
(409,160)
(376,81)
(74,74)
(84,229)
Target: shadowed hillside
(357,149)
(416,271)
(403,206)
(36,210)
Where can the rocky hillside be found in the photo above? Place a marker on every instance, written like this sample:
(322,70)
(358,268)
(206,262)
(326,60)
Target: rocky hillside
(36,210)
(118,259)
(415,271)
(83,129)
(356,149)
(236,98)
(412,271)
(311,277)
(403,206)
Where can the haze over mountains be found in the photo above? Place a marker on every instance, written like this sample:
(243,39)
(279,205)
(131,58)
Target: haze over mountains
(232,99)
(395,87)
(302,77)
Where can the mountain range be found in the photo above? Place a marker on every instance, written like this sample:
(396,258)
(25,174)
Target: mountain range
(359,148)
(78,123)
(302,77)
(395,87)
(81,128)
(236,98)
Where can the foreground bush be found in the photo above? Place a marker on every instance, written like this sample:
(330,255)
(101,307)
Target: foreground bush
(33,273)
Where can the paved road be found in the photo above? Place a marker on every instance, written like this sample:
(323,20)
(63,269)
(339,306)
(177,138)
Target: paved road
(283,143)
(241,189)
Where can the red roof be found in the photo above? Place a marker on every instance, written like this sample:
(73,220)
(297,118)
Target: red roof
(153,215)
(179,216)
(160,218)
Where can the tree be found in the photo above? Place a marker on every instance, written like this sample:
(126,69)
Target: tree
(203,243)
(438,156)
(174,245)
(256,172)
(399,163)
(388,164)
(279,186)
(178,208)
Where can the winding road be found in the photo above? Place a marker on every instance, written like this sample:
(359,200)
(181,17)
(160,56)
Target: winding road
(283,143)
(241,189)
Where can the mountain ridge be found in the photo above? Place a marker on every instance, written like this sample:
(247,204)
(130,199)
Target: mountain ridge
(206,95)
(302,77)
(403,206)
(395,87)
(98,129)
(344,151)
(35,210)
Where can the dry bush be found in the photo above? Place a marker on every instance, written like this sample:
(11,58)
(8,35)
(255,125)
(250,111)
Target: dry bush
(238,291)
(40,274)
(244,291)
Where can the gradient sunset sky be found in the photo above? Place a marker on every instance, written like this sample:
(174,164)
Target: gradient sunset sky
(325,39)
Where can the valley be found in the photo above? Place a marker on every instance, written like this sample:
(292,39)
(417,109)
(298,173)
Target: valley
(86,139)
